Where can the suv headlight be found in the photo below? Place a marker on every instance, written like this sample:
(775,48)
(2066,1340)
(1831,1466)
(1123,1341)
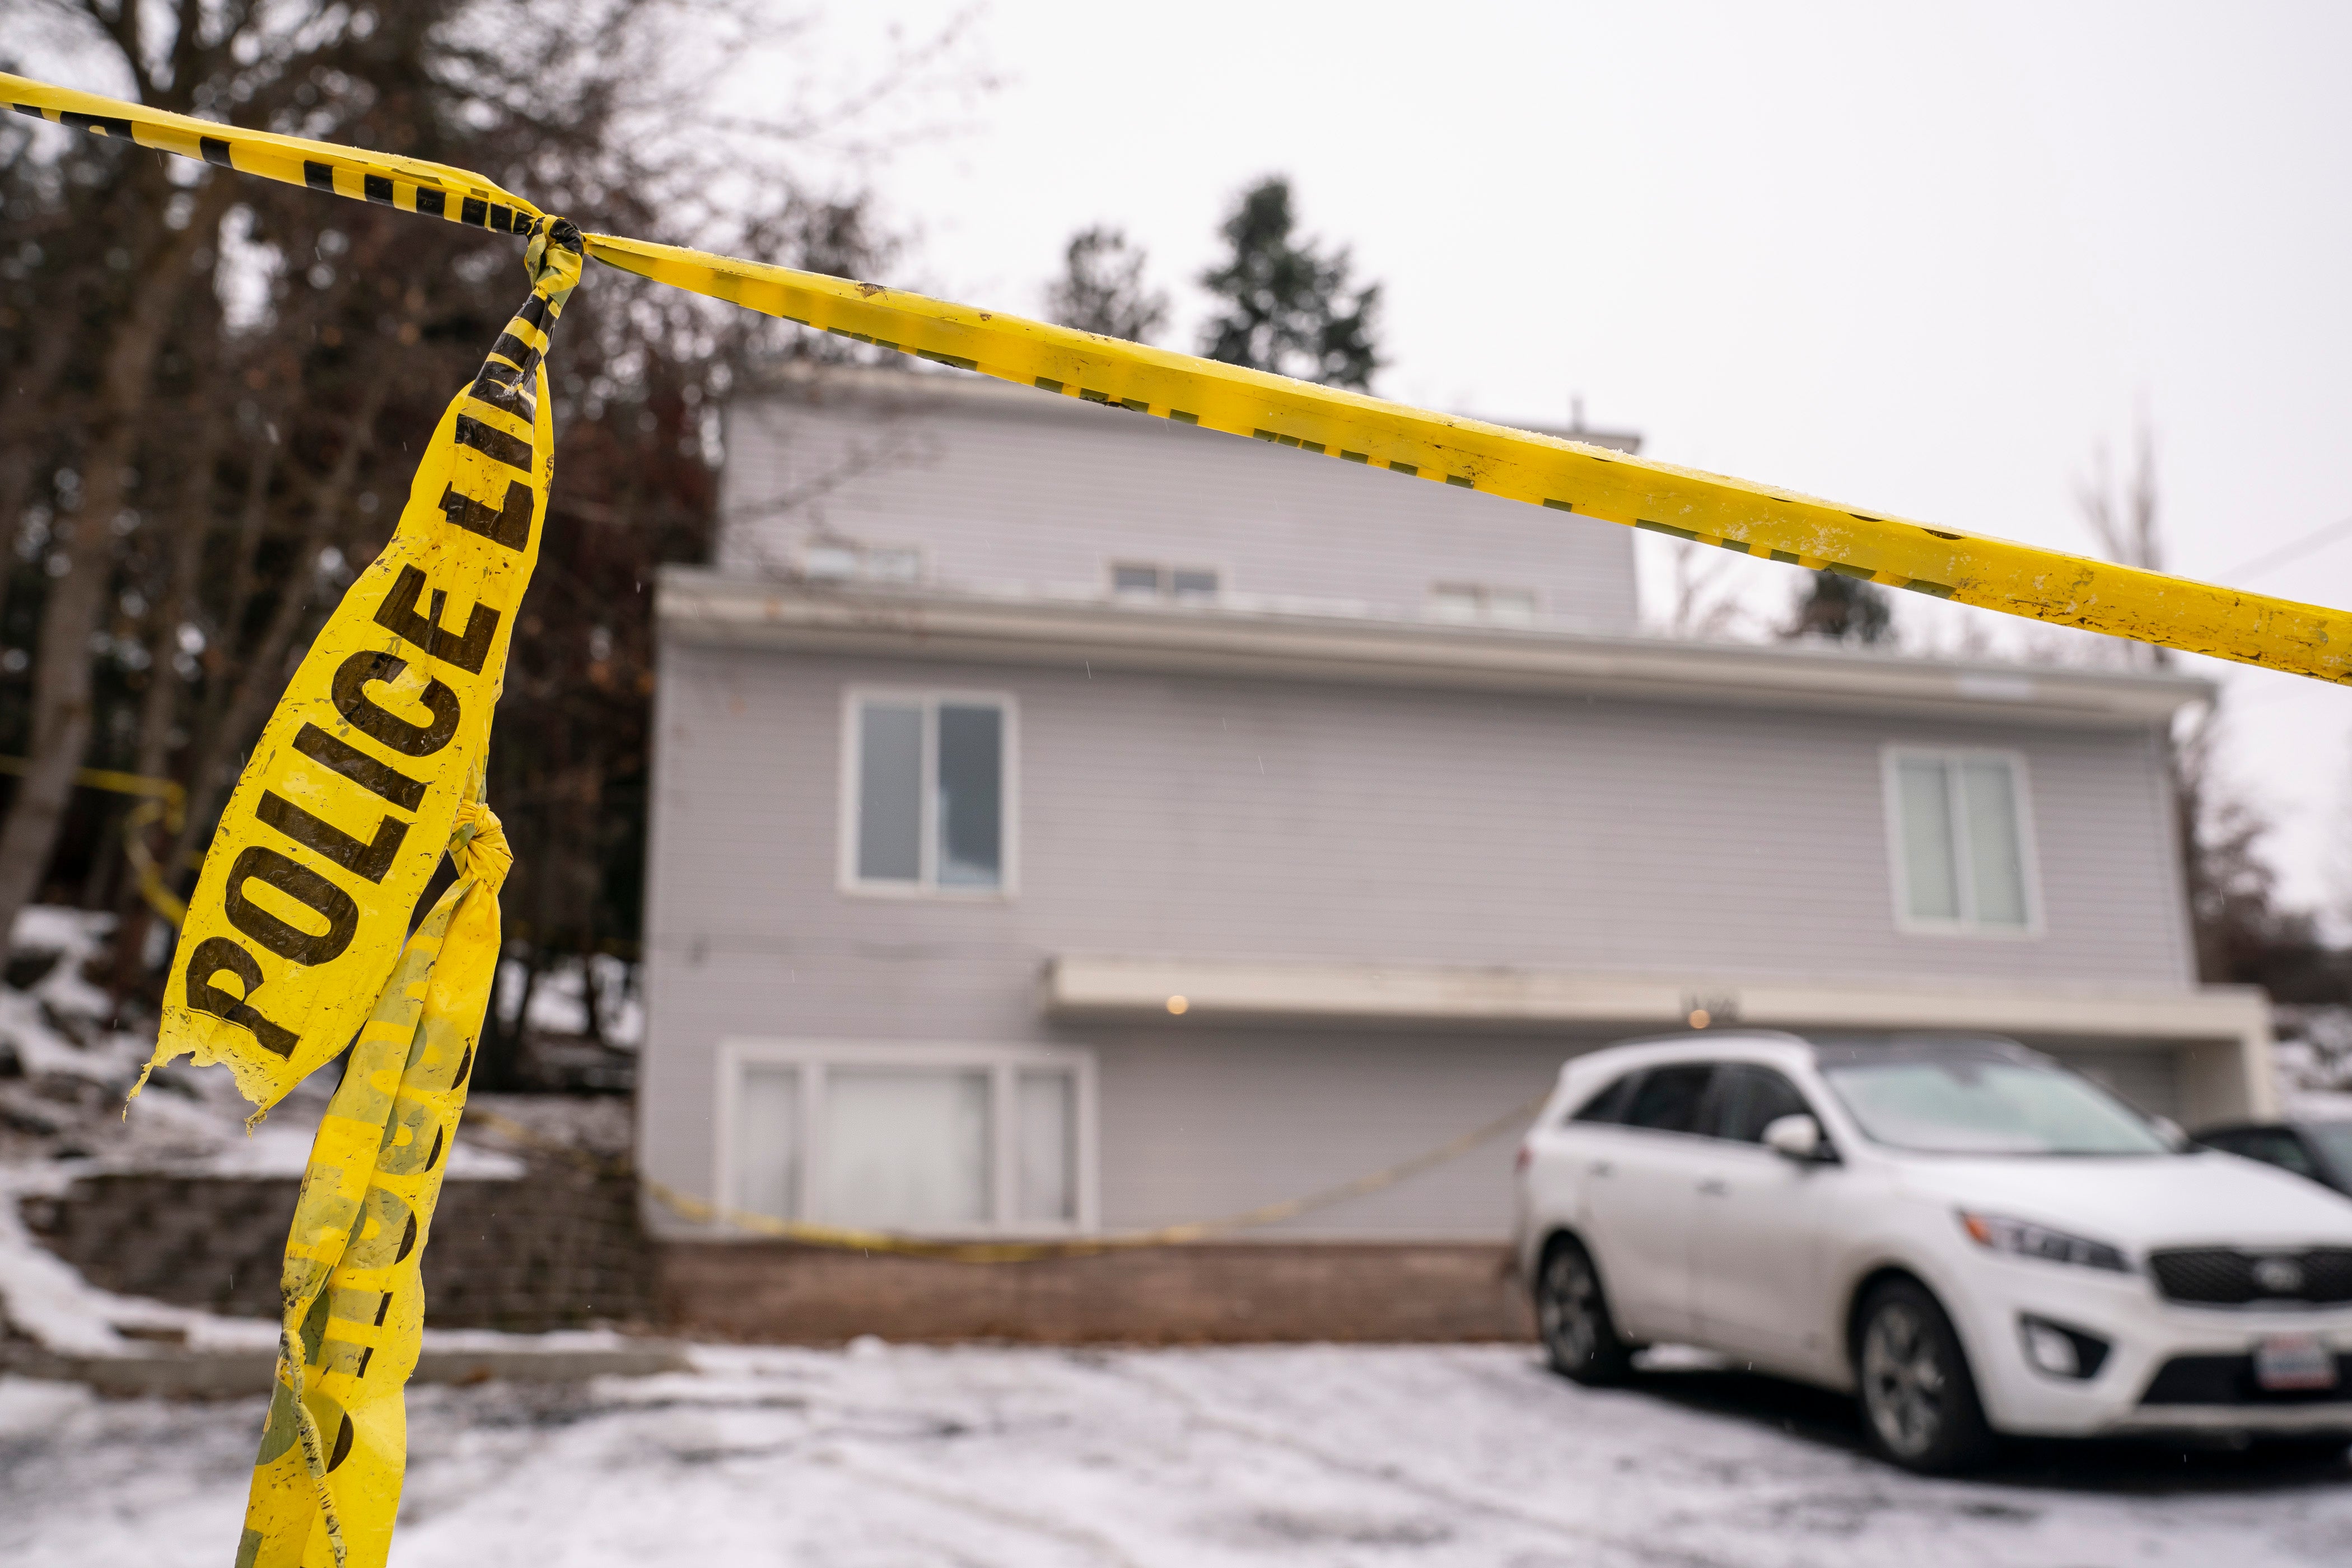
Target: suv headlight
(1997,1233)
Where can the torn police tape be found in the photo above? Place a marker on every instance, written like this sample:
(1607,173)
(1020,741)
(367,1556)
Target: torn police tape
(352,791)
(369,770)
(326,1483)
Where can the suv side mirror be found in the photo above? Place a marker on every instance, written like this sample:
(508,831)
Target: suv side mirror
(1795,1137)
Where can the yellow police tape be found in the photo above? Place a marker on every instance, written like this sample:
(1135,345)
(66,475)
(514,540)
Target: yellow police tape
(350,796)
(373,760)
(1566,476)
(848,1238)
(370,768)
(161,800)
(326,1483)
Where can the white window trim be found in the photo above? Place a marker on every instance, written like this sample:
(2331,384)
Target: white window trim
(1485,593)
(2027,846)
(926,884)
(863,549)
(1005,1062)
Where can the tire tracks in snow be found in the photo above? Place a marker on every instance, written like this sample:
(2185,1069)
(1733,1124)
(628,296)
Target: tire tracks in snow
(1393,1475)
(1101,1547)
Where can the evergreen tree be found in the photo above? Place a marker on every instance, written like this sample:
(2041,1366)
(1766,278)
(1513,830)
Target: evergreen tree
(1287,308)
(1843,609)
(1101,289)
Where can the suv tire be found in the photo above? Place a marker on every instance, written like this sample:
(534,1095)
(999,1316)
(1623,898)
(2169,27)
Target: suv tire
(1919,1403)
(1572,1316)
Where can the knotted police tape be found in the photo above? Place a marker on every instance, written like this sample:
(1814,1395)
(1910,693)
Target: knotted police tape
(1565,476)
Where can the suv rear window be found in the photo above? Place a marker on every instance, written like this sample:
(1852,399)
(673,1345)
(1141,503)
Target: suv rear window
(1608,1105)
(1668,1098)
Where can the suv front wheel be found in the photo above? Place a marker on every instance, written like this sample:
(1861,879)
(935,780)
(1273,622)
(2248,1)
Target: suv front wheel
(1573,1314)
(1918,1401)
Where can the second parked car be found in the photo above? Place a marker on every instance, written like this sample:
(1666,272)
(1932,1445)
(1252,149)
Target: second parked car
(1968,1235)
(2319,1150)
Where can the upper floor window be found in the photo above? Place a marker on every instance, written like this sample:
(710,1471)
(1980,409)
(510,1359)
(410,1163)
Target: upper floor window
(1963,843)
(840,560)
(927,792)
(1155,580)
(1482,603)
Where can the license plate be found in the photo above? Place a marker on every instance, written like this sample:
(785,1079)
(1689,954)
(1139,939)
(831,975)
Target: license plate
(2284,1362)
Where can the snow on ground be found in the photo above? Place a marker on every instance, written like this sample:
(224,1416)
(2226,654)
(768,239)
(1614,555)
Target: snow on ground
(1298,1456)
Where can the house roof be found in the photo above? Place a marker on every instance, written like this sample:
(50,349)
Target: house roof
(1277,640)
(921,386)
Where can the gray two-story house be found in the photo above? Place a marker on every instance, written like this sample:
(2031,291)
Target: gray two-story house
(1068,823)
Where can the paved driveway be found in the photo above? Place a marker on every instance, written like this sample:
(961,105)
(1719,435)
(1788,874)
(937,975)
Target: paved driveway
(1294,1456)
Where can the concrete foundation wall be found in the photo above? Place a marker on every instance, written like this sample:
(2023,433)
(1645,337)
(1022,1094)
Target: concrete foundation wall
(560,1248)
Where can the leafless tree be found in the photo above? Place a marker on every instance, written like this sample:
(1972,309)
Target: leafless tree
(216,389)
(2123,516)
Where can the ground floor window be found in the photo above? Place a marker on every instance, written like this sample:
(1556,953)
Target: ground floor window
(929,1138)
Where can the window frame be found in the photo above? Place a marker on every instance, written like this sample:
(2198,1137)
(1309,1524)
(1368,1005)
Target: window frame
(1164,593)
(927,883)
(1484,593)
(863,553)
(1004,1061)
(1890,790)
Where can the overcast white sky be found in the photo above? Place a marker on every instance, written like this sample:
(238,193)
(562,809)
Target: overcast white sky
(1912,258)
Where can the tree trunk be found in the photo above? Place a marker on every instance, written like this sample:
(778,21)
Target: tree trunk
(62,670)
(184,561)
(265,673)
(31,400)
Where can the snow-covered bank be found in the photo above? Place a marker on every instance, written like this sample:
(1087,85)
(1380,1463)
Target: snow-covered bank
(1037,1458)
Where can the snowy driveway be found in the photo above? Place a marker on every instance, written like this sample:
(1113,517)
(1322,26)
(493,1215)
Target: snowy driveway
(1038,1458)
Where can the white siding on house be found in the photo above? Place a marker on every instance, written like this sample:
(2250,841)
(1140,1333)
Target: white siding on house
(1015,491)
(1270,819)
(1212,818)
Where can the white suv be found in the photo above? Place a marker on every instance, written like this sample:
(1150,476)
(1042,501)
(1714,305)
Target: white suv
(1971,1238)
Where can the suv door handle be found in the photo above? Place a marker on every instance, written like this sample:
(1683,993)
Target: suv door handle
(1715,1187)
(1600,1167)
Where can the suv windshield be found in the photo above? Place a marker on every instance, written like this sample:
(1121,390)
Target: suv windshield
(1961,1106)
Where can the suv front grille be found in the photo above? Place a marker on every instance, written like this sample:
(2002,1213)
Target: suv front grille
(2226,1277)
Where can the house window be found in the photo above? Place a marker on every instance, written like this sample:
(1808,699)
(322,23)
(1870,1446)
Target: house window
(1481,604)
(926,796)
(926,1140)
(1153,580)
(1962,840)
